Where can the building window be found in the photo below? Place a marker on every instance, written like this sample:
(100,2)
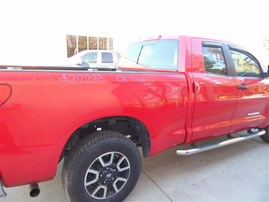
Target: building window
(82,43)
(93,43)
(103,43)
(110,43)
(71,44)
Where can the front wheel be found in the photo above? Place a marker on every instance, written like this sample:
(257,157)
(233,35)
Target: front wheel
(265,137)
(104,166)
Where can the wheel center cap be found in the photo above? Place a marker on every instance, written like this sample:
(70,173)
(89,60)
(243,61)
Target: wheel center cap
(109,175)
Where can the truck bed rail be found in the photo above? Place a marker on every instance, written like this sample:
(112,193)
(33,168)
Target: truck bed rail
(50,68)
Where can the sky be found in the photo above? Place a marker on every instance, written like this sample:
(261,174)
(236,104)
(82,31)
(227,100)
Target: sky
(30,27)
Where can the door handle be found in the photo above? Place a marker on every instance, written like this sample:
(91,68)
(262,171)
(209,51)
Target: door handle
(196,87)
(242,87)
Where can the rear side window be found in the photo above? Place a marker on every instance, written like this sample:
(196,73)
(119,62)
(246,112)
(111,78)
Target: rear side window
(158,54)
(245,64)
(214,61)
(89,58)
(107,58)
(161,55)
(133,51)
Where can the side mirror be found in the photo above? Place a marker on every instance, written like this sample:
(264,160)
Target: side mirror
(266,71)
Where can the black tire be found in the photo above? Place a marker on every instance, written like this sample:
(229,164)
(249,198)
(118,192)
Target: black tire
(265,137)
(104,166)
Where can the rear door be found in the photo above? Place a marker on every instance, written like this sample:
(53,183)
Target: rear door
(215,91)
(253,91)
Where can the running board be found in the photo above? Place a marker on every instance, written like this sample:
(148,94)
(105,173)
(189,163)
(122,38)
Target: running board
(198,149)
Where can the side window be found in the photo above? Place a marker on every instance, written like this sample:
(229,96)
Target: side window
(214,60)
(89,58)
(162,54)
(107,57)
(245,64)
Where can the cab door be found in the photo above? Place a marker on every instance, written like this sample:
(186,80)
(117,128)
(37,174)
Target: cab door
(215,91)
(253,92)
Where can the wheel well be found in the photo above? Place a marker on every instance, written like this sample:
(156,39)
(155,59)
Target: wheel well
(130,127)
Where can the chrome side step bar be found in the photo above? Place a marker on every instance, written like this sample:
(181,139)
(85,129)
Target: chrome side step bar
(2,191)
(202,148)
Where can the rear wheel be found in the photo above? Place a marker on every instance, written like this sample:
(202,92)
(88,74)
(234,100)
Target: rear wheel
(104,166)
(265,137)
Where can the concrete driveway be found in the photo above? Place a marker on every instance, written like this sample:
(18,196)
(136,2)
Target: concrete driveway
(238,172)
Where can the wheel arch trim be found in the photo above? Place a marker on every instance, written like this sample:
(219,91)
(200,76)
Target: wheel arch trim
(139,127)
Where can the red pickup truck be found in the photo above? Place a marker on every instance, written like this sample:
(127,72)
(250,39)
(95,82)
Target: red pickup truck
(168,91)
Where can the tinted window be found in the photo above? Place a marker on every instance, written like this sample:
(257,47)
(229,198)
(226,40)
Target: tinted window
(214,60)
(107,58)
(89,58)
(162,54)
(245,64)
(158,54)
